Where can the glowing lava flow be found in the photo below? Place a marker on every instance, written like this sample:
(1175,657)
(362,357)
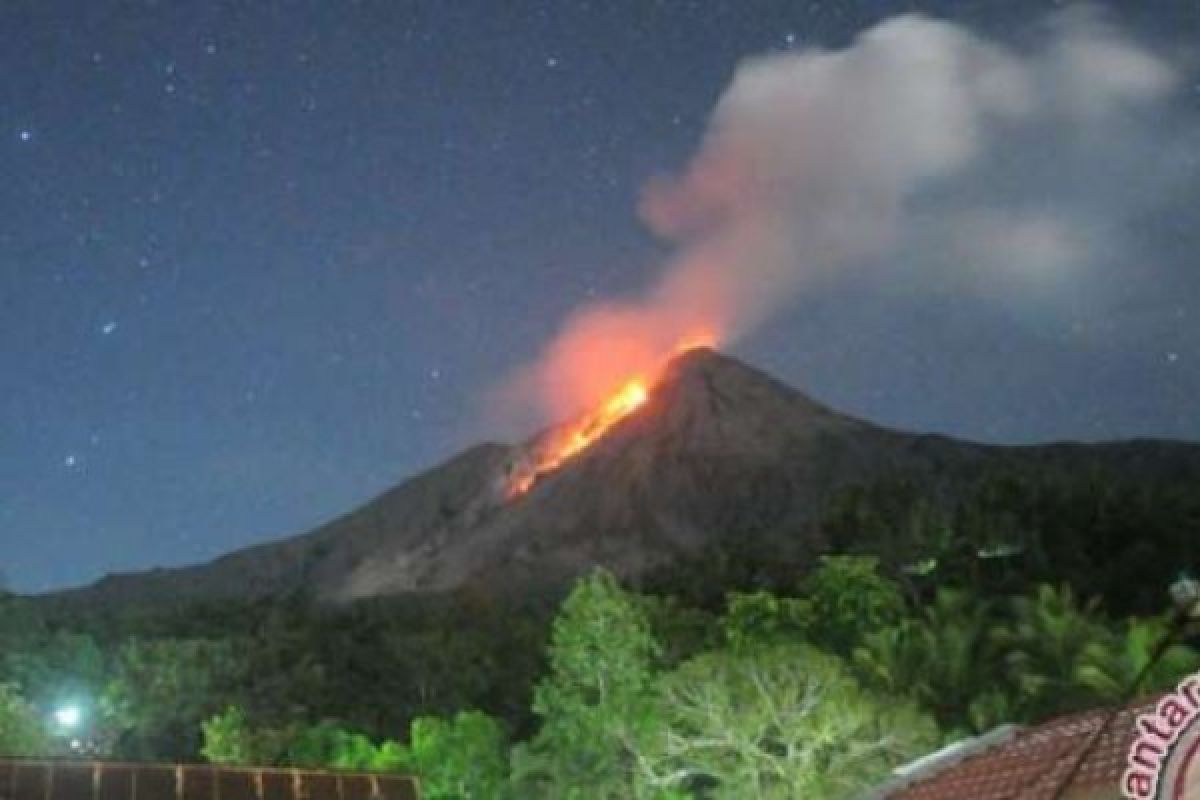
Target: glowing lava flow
(570,440)
(582,433)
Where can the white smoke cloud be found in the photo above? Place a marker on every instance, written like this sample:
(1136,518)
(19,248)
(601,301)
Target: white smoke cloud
(920,143)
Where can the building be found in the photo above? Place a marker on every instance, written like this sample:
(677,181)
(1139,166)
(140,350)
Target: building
(1031,763)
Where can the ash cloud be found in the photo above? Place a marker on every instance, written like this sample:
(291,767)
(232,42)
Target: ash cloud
(921,153)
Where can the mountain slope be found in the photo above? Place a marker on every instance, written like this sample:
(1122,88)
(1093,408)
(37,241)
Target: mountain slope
(719,450)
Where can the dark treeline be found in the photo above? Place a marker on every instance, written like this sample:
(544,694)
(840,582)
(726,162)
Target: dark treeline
(1020,597)
(1104,532)
(155,674)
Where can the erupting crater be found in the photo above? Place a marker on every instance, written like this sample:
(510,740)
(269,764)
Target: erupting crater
(579,435)
(573,438)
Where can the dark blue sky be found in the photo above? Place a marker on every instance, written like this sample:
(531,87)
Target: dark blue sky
(261,260)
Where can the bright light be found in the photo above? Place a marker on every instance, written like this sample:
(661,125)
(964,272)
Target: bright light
(67,716)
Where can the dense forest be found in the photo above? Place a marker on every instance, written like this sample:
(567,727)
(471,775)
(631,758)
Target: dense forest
(740,672)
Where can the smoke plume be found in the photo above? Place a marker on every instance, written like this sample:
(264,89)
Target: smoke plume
(921,143)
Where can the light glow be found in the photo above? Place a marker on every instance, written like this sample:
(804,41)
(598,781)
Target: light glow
(581,434)
(67,716)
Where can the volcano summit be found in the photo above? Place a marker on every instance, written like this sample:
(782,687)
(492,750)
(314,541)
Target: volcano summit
(712,451)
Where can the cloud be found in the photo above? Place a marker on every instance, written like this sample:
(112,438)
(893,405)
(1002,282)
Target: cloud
(963,161)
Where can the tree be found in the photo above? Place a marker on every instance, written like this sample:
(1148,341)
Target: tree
(160,692)
(229,739)
(849,598)
(1109,666)
(1047,647)
(783,721)
(594,703)
(326,745)
(21,732)
(460,758)
(464,757)
(759,618)
(942,658)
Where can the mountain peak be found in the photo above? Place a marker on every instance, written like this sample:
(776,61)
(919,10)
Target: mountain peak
(712,450)
(700,357)
(707,387)
(699,394)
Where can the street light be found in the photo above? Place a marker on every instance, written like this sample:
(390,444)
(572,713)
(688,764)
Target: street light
(67,717)
(67,721)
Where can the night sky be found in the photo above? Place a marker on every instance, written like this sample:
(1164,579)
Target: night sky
(260,261)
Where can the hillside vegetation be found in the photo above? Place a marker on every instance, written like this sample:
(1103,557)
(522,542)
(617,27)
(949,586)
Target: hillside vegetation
(738,673)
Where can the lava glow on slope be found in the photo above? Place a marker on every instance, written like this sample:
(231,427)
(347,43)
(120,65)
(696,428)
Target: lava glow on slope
(574,438)
(583,432)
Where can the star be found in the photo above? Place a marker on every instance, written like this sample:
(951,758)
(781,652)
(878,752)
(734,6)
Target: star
(552,62)
(108,328)
(1172,357)
(25,135)
(71,461)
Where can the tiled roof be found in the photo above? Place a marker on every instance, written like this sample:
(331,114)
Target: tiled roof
(1032,762)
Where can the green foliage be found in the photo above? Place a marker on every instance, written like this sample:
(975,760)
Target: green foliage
(1063,655)
(594,703)
(424,657)
(781,722)
(160,691)
(843,599)
(1115,529)
(943,600)
(765,716)
(229,739)
(975,664)
(22,733)
(23,642)
(326,745)
(849,598)
(943,658)
(51,666)
(1110,665)
(1045,646)
(460,758)
(752,620)
(680,630)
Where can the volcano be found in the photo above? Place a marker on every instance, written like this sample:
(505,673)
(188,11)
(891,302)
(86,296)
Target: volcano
(713,451)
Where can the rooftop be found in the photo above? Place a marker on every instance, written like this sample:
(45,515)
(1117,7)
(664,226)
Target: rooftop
(1025,763)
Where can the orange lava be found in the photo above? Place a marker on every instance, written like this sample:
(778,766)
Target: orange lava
(583,432)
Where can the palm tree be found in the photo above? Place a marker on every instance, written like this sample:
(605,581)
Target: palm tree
(1109,668)
(942,659)
(1046,646)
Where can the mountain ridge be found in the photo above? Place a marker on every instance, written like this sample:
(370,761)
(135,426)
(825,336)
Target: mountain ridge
(718,450)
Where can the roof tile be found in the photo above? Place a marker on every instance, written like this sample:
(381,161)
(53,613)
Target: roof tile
(1031,764)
